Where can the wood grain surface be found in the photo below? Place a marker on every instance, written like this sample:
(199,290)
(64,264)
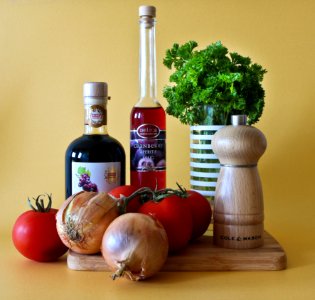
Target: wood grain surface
(238,204)
(203,255)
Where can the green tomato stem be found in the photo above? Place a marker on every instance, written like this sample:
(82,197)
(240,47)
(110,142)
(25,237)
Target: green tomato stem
(147,194)
(40,204)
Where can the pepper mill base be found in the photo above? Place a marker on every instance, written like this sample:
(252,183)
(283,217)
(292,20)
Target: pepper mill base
(238,237)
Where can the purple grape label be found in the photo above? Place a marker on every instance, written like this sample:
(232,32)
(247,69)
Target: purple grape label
(95,177)
(85,183)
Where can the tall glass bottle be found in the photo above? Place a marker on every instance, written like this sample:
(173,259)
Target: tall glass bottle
(147,120)
(95,161)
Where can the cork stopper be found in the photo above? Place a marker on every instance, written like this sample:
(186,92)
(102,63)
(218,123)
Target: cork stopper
(147,10)
(95,89)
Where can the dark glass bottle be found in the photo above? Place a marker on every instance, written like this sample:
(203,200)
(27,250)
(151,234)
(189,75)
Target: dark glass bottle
(95,161)
(147,119)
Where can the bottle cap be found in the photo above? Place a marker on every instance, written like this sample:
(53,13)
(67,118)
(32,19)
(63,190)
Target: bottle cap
(95,89)
(146,10)
(238,120)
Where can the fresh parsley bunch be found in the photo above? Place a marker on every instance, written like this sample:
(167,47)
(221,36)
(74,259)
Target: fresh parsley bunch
(228,82)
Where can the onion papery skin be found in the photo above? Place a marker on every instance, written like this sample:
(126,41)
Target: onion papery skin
(135,246)
(82,220)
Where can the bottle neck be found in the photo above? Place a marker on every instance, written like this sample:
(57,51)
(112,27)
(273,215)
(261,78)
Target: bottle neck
(95,116)
(147,66)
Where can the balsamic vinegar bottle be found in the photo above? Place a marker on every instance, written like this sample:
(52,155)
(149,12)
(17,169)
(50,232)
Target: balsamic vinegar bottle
(147,119)
(95,161)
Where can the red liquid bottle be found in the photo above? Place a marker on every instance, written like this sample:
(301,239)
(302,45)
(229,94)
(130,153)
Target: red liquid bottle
(148,119)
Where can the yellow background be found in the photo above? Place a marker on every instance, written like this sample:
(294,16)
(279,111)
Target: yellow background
(49,48)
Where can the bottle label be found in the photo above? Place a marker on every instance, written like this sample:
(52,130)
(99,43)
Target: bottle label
(96,116)
(95,177)
(147,148)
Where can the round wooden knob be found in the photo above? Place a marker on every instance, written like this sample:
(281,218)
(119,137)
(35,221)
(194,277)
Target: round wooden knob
(239,145)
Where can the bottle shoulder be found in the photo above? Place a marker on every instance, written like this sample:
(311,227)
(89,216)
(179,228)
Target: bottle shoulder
(148,103)
(93,141)
(148,115)
(147,112)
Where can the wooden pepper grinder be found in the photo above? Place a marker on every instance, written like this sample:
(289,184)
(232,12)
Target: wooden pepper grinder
(238,204)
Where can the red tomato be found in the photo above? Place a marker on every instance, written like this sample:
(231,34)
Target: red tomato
(201,212)
(174,214)
(35,236)
(127,190)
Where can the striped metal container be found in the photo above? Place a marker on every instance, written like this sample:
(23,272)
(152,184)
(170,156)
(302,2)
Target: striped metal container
(204,164)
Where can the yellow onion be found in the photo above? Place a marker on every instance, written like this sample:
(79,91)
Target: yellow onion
(135,246)
(83,218)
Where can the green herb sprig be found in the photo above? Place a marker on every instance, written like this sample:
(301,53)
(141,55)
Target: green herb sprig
(229,82)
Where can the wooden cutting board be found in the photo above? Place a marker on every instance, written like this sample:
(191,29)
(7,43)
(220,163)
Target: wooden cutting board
(202,255)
